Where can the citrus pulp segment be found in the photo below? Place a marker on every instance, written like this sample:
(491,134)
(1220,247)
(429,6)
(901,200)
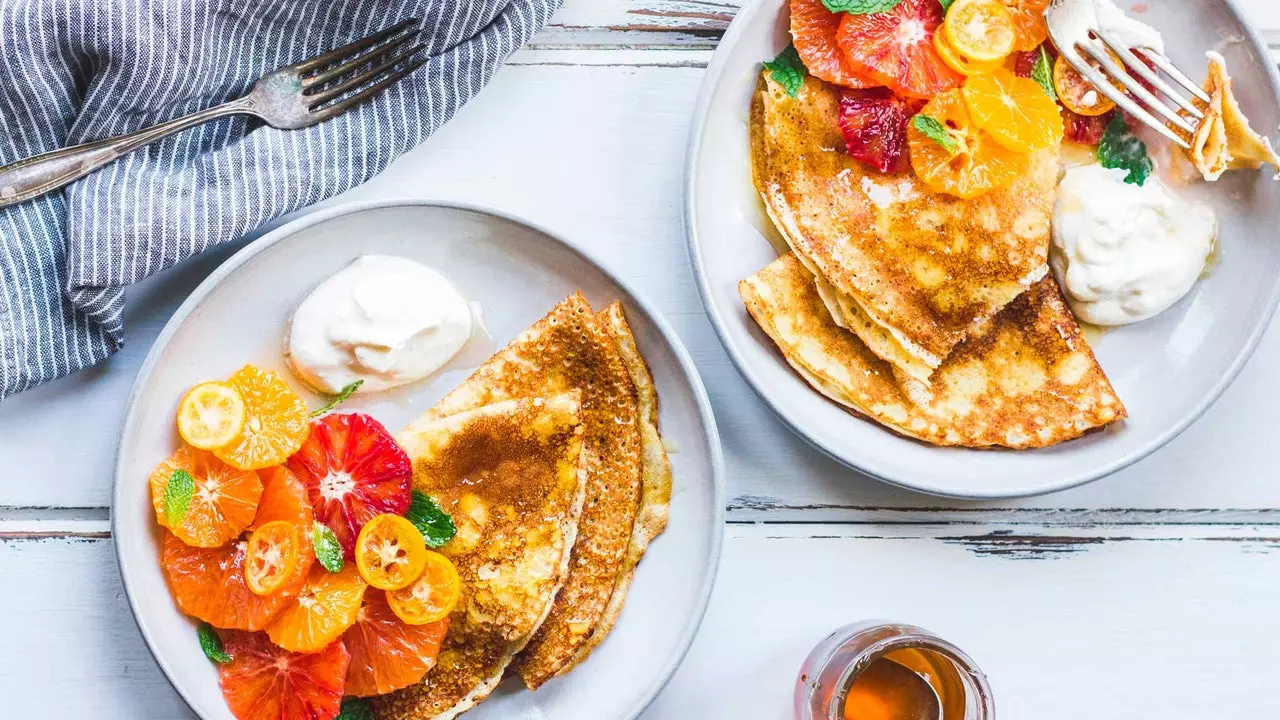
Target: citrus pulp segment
(322,610)
(221,504)
(1014,110)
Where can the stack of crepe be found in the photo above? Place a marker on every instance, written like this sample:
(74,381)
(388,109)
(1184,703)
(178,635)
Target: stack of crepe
(930,314)
(549,460)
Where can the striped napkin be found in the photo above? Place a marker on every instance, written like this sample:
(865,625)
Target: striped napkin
(78,70)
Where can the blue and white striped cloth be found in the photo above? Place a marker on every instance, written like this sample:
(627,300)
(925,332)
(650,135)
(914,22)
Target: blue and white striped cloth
(77,70)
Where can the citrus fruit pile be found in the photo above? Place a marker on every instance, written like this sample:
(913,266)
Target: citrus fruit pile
(967,88)
(287,538)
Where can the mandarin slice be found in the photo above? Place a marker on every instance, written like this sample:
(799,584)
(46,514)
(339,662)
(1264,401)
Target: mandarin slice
(386,653)
(323,609)
(275,420)
(222,505)
(209,584)
(265,682)
(980,30)
(1029,26)
(284,497)
(1013,110)
(813,32)
(895,48)
(211,415)
(977,165)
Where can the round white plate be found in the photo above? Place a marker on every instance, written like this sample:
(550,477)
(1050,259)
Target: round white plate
(517,272)
(1167,370)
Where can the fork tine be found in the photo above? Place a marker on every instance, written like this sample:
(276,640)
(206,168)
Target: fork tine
(364,58)
(1099,53)
(1172,71)
(346,104)
(1134,63)
(364,77)
(1101,83)
(342,53)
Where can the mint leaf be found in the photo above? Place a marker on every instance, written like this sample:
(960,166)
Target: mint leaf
(338,399)
(1042,73)
(787,70)
(946,4)
(1121,149)
(936,132)
(863,7)
(211,644)
(327,548)
(177,496)
(435,524)
(354,708)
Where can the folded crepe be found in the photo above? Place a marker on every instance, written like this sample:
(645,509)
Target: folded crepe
(1025,379)
(1224,140)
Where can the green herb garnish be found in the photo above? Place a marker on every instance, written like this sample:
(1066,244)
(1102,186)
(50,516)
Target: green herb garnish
(338,399)
(1042,73)
(1121,149)
(354,708)
(211,644)
(327,548)
(435,524)
(787,70)
(177,496)
(864,7)
(936,132)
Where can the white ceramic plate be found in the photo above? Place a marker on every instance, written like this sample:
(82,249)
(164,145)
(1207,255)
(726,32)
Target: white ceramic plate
(1167,370)
(517,272)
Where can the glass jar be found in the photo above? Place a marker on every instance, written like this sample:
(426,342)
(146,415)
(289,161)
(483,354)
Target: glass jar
(827,673)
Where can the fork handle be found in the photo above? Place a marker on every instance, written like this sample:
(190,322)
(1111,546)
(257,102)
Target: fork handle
(37,175)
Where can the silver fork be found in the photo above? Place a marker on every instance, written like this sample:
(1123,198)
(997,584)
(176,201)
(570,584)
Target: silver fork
(1135,99)
(294,96)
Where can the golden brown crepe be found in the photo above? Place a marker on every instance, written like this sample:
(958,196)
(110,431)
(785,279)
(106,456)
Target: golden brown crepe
(1224,140)
(1026,379)
(911,271)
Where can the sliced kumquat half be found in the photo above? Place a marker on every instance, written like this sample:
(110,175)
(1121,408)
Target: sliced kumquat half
(980,30)
(272,555)
(221,504)
(974,165)
(266,682)
(275,421)
(323,609)
(209,584)
(387,653)
(390,552)
(1076,93)
(211,415)
(813,32)
(432,596)
(1029,26)
(895,48)
(958,62)
(1013,110)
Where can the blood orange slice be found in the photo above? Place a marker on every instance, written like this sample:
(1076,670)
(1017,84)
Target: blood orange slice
(209,584)
(874,125)
(324,608)
(386,653)
(221,504)
(353,470)
(895,48)
(265,682)
(813,32)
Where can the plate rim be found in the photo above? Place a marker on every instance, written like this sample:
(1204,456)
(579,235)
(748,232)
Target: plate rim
(325,214)
(713,79)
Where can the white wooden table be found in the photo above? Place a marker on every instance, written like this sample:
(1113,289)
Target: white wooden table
(1153,593)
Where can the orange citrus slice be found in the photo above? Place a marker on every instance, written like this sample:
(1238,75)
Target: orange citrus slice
(813,32)
(895,48)
(220,504)
(1029,26)
(390,552)
(980,30)
(284,497)
(386,653)
(323,609)
(432,596)
(1013,110)
(275,423)
(958,62)
(1076,93)
(209,584)
(272,556)
(264,682)
(211,415)
(976,163)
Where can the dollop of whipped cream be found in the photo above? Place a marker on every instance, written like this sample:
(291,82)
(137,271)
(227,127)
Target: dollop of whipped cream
(1123,252)
(382,319)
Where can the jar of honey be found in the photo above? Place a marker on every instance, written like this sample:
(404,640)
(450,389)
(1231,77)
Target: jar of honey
(886,671)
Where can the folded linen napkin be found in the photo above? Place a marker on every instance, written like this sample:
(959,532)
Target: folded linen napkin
(78,70)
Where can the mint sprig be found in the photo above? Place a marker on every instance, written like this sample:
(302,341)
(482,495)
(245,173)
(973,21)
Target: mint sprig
(177,496)
(327,548)
(864,7)
(338,399)
(354,708)
(211,644)
(936,132)
(1042,73)
(1121,149)
(788,70)
(946,4)
(432,521)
